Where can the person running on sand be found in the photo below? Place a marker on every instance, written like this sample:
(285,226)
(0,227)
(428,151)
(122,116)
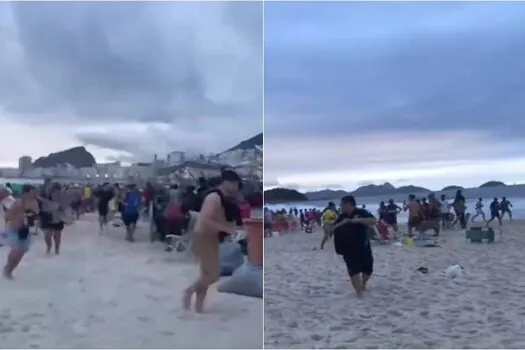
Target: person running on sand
(390,214)
(52,223)
(445,212)
(104,194)
(494,211)
(415,213)
(479,210)
(352,242)
(19,217)
(505,206)
(216,220)
(434,213)
(329,215)
(130,212)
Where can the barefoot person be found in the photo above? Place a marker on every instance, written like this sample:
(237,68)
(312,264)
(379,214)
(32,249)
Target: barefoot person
(390,215)
(505,206)
(130,212)
(329,216)
(351,241)
(52,214)
(216,219)
(19,216)
(494,211)
(104,195)
(415,213)
(479,210)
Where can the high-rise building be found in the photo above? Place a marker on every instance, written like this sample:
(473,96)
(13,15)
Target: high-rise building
(24,164)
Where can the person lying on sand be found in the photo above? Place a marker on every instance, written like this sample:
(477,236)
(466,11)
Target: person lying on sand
(215,221)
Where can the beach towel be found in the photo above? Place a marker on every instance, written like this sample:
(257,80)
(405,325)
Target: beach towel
(247,280)
(231,257)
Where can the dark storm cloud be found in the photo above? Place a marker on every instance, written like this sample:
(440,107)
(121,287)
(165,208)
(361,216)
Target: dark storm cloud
(188,65)
(336,68)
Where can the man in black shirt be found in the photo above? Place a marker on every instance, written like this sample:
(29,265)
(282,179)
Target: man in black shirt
(351,241)
(494,211)
(104,194)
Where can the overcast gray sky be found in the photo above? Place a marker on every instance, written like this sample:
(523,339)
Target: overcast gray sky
(428,93)
(129,79)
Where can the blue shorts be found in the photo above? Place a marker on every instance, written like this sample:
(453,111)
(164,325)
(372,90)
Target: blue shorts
(14,241)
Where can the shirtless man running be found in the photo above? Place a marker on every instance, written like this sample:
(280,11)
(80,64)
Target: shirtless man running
(212,223)
(415,213)
(24,208)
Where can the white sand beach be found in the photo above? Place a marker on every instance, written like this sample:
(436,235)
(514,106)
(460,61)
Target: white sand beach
(309,302)
(103,292)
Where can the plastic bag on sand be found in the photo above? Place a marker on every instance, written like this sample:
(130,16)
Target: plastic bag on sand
(231,257)
(454,272)
(247,280)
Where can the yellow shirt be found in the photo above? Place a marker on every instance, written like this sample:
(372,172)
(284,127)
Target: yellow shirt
(87,192)
(329,216)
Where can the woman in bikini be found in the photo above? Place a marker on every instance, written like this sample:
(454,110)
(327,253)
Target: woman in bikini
(20,216)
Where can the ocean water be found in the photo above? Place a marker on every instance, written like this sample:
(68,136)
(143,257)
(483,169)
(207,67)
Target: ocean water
(518,207)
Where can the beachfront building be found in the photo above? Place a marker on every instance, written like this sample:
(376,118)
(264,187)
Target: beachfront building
(24,164)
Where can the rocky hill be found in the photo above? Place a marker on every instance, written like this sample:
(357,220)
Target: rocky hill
(78,157)
(250,143)
(492,184)
(276,195)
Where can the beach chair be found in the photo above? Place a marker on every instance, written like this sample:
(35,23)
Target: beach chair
(184,242)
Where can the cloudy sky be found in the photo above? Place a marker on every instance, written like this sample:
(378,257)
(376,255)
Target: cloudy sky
(129,79)
(429,94)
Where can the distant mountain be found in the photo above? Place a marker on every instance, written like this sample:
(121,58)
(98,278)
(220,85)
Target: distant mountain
(452,188)
(250,143)
(78,157)
(276,195)
(325,194)
(492,184)
(368,191)
(374,190)
(387,191)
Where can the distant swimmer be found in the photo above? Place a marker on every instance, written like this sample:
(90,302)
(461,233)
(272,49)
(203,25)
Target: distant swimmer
(505,206)
(479,210)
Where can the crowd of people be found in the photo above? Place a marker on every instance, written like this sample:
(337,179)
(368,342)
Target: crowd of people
(424,214)
(51,206)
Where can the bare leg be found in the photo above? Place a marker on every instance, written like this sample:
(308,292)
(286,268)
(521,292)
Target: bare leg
(357,283)
(48,234)
(57,238)
(364,280)
(324,240)
(13,260)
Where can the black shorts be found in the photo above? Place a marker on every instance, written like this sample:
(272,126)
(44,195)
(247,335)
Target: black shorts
(390,219)
(359,262)
(495,215)
(129,219)
(57,226)
(103,212)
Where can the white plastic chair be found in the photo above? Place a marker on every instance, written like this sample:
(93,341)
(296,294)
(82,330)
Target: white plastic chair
(184,242)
